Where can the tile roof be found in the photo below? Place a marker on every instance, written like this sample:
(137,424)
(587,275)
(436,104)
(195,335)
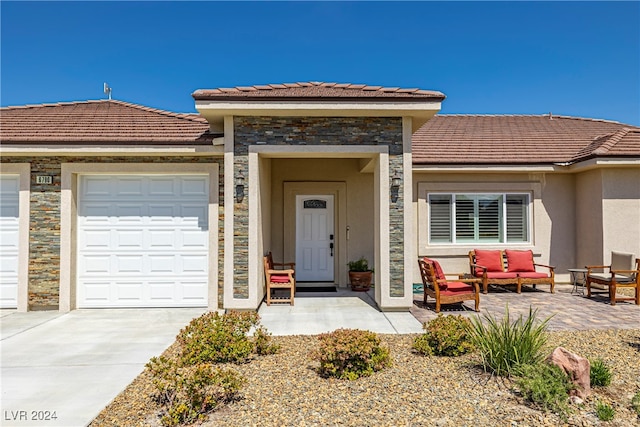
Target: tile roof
(100,121)
(317,90)
(505,139)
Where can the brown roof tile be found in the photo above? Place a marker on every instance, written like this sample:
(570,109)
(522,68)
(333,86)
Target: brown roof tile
(106,121)
(317,90)
(503,139)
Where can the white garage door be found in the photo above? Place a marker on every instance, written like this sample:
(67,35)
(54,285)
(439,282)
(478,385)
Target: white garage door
(9,226)
(142,241)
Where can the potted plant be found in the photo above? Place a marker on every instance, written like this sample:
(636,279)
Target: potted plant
(360,275)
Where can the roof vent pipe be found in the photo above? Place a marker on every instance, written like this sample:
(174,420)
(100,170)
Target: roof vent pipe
(550,116)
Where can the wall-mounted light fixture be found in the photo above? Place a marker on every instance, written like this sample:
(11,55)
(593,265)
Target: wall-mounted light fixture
(239,187)
(395,186)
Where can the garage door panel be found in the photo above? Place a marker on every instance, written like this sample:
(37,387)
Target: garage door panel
(128,264)
(9,240)
(194,187)
(162,186)
(94,264)
(162,214)
(128,239)
(194,264)
(9,211)
(148,246)
(194,216)
(193,239)
(96,291)
(128,292)
(128,187)
(129,214)
(194,291)
(162,239)
(9,265)
(9,236)
(98,186)
(94,213)
(162,291)
(96,239)
(162,264)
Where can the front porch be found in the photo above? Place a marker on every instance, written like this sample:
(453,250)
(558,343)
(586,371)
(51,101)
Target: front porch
(318,313)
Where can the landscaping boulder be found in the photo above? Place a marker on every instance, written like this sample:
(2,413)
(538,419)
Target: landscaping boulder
(576,367)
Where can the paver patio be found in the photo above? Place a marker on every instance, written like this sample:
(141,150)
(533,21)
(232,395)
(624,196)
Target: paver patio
(570,311)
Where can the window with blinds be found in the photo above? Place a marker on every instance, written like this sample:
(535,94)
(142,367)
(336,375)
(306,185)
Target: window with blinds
(478,218)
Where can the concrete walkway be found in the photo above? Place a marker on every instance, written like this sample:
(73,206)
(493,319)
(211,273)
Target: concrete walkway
(70,366)
(315,313)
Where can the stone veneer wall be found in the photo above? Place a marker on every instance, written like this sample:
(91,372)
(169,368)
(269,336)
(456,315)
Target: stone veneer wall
(44,229)
(297,131)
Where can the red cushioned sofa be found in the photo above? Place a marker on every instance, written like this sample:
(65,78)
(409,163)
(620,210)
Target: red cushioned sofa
(509,267)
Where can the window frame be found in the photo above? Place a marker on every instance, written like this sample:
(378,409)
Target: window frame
(502,217)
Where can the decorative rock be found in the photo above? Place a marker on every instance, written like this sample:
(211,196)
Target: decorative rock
(576,400)
(576,367)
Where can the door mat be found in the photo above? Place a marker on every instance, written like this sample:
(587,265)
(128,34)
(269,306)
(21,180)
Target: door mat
(316,289)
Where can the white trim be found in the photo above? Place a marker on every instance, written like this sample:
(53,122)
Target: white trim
(68,217)
(23,170)
(410,255)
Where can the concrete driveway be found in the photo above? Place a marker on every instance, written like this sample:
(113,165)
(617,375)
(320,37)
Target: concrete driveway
(62,369)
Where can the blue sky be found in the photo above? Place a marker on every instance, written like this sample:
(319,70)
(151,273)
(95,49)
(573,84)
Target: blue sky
(569,58)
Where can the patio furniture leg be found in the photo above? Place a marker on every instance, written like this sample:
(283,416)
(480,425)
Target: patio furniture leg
(612,293)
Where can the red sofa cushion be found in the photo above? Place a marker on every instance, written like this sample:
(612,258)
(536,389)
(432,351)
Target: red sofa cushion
(488,258)
(455,288)
(279,278)
(520,261)
(439,273)
(501,275)
(533,275)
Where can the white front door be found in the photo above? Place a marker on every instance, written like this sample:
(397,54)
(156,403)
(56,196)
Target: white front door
(142,241)
(9,228)
(315,242)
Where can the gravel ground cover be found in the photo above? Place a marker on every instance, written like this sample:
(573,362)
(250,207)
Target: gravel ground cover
(285,390)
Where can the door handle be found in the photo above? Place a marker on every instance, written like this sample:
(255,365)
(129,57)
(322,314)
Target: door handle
(331,247)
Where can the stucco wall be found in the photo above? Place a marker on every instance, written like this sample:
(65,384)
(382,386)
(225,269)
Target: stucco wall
(589,232)
(621,211)
(552,225)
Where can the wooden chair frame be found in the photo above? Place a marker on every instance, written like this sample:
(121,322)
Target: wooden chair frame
(612,283)
(270,273)
(430,287)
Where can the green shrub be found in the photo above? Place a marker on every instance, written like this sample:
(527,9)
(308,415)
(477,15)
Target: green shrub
(600,374)
(215,338)
(421,345)
(190,392)
(350,354)
(604,411)
(445,336)
(635,402)
(262,342)
(546,385)
(504,346)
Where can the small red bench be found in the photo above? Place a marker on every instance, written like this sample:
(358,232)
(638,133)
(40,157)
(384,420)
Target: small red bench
(509,267)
